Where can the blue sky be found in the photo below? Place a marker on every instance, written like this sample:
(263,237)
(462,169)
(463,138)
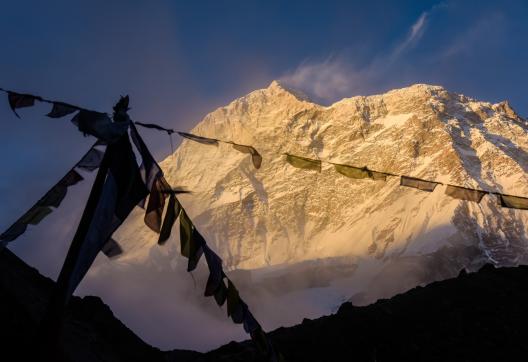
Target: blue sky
(179,60)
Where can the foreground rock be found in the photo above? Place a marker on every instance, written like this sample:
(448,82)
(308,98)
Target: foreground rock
(91,331)
(475,317)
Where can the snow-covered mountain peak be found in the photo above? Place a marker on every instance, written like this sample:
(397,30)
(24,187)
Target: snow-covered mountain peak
(280,215)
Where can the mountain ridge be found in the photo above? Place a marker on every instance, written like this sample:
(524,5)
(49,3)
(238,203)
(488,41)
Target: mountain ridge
(313,240)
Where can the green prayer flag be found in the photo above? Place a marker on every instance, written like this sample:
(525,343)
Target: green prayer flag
(186,228)
(378,175)
(513,202)
(200,139)
(352,172)
(360,172)
(305,163)
(417,183)
(255,156)
(463,193)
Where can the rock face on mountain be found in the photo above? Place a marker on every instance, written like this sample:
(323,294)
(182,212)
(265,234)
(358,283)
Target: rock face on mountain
(298,243)
(280,215)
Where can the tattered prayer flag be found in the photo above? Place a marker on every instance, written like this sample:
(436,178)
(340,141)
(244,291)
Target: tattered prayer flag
(71,178)
(60,110)
(250,323)
(186,228)
(150,170)
(302,162)
(17,100)
(464,193)
(173,211)
(112,249)
(155,126)
(155,206)
(54,196)
(14,231)
(200,139)
(235,306)
(255,156)
(99,125)
(513,202)
(35,215)
(220,295)
(195,249)
(91,160)
(57,193)
(417,183)
(352,172)
(381,176)
(216,275)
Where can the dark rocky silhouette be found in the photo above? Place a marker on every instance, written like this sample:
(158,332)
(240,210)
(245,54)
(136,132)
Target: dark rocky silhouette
(480,316)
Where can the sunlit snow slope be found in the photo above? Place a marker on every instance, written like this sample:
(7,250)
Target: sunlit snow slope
(326,237)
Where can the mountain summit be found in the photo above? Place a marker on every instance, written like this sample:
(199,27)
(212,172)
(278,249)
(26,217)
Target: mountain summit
(299,230)
(280,214)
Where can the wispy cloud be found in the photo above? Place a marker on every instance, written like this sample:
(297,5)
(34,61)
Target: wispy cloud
(415,33)
(335,77)
(325,80)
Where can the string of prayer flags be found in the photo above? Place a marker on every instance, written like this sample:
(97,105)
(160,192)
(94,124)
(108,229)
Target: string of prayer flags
(193,245)
(119,186)
(41,209)
(303,162)
(200,139)
(89,122)
(464,193)
(360,172)
(513,202)
(419,184)
(122,189)
(18,100)
(58,192)
(256,158)
(155,126)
